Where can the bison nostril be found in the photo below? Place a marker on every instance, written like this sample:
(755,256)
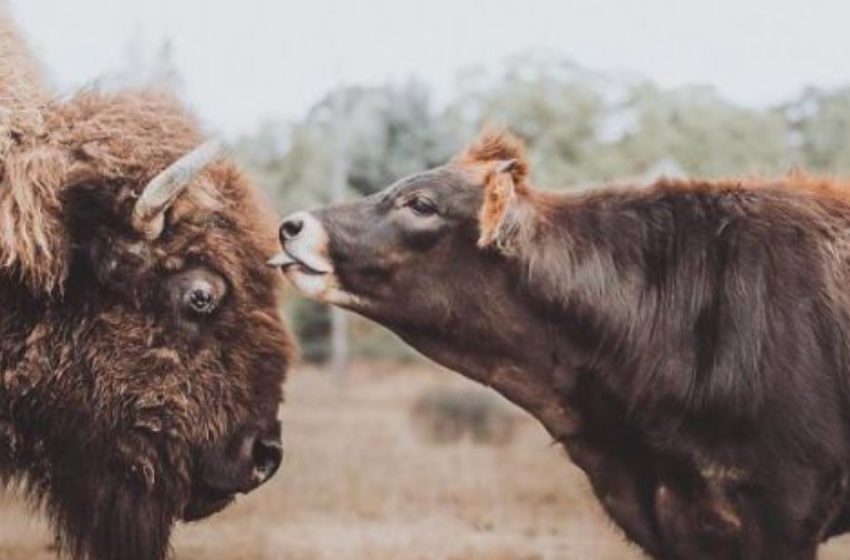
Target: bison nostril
(244,463)
(291,228)
(267,455)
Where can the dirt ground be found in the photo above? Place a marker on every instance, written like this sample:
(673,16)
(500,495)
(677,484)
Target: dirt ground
(358,484)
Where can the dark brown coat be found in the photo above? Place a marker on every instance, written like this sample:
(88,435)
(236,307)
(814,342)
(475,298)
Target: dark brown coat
(688,342)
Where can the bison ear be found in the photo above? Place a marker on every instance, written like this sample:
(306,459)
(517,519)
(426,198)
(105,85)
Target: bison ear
(499,216)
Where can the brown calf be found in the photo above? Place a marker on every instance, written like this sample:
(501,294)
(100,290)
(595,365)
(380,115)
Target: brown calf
(687,342)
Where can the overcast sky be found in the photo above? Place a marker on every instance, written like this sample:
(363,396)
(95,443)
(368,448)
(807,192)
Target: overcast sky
(246,60)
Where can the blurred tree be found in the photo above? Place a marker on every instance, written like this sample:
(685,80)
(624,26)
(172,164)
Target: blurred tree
(395,132)
(820,125)
(313,328)
(706,135)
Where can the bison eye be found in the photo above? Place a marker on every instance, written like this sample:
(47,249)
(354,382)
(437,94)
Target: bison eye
(200,298)
(197,292)
(421,206)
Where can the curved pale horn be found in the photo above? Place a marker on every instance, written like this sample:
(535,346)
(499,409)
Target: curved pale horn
(163,190)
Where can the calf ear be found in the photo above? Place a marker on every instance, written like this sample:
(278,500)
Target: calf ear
(499,216)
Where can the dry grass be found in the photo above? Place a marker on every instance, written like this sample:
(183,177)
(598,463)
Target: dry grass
(357,484)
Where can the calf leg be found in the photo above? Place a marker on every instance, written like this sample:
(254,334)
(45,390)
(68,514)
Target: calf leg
(719,520)
(625,491)
(702,524)
(676,516)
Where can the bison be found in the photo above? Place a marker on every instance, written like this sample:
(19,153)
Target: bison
(141,349)
(688,342)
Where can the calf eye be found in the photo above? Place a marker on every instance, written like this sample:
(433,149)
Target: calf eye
(421,206)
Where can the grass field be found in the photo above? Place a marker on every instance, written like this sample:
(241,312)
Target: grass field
(358,484)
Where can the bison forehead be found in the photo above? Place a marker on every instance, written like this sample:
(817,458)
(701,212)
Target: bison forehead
(128,135)
(224,224)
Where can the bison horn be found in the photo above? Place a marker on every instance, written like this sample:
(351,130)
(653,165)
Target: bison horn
(161,192)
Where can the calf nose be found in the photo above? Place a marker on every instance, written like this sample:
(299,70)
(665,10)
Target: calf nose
(291,226)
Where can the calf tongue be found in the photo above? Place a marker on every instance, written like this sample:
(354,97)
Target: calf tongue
(280,260)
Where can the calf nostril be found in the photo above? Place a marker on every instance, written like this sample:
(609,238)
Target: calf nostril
(291,228)
(267,455)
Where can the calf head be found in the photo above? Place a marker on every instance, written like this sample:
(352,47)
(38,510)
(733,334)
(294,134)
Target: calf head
(141,351)
(429,256)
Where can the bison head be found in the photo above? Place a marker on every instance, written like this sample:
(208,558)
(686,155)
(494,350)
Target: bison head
(141,350)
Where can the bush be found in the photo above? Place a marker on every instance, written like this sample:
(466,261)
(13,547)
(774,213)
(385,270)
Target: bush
(312,324)
(444,416)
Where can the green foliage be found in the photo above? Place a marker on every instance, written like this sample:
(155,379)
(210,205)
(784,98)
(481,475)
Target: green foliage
(581,127)
(820,123)
(312,325)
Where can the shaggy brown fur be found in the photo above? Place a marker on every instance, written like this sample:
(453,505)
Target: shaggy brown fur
(113,396)
(688,342)
(22,86)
